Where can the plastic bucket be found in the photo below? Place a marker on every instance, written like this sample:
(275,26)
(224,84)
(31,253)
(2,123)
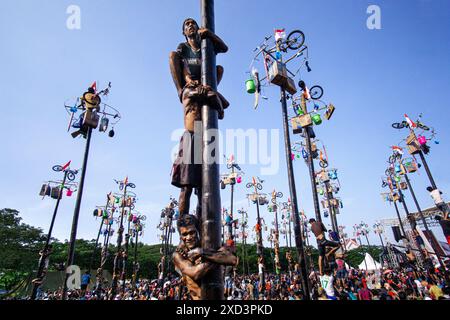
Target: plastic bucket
(250,85)
(422,140)
(316,119)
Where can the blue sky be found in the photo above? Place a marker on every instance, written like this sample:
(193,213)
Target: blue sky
(372,77)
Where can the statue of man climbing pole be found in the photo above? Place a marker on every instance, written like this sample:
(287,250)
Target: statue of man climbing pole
(198,257)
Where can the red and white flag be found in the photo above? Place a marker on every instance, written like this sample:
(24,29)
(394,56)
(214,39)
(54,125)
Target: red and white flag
(94,86)
(411,123)
(125,182)
(280,34)
(398,149)
(64,167)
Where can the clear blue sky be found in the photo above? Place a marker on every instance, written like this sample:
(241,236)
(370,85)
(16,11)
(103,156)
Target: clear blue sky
(372,77)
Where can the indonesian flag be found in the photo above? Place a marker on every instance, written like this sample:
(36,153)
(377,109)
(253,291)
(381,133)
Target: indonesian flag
(280,34)
(306,93)
(411,124)
(231,159)
(94,86)
(398,149)
(125,182)
(66,165)
(254,181)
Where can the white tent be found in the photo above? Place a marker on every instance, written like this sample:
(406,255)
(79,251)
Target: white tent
(369,263)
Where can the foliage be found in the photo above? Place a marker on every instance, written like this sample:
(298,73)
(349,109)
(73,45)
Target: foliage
(19,248)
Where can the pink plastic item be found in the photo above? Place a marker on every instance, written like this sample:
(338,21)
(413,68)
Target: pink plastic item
(239,179)
(422,140)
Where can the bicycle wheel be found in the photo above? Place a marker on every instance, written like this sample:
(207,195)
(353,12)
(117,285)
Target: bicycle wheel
(249,185)
(398,125)
(323,164)
(295,40)
(316,92)
(57,168)
(259,186)
(71,175)
(131,185)
(422,126)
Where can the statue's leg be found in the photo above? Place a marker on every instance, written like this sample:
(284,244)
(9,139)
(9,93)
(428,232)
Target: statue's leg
(184,201)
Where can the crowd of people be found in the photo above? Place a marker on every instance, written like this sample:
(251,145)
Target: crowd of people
(340,284)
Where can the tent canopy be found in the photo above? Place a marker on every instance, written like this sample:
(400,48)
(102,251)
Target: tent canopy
(370,263)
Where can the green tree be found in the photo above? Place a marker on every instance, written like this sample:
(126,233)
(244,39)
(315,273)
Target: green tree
(19,248)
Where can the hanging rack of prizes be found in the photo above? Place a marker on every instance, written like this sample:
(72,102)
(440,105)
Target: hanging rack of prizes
(233,177)
(88,111)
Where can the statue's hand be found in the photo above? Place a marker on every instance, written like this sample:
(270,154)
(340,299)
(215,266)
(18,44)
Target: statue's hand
(191,83)
(195,254)
(204,33)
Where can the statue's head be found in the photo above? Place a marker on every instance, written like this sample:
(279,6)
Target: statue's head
(188,229)
(190,27)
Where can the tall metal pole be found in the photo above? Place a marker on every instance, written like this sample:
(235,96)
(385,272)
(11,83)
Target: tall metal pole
(399,219)
(95,247)
(410,219)
(212,283)
(427,169)
(135,259)
(76,213)
(259,243)
(47,242)
(312,172)
(422,217)
(277,235)
(293,196)
(360,243)
(382,243)
(331,207)
(119,247)
(125,257)
(98,237)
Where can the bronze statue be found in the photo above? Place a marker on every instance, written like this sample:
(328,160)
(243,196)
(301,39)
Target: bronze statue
(185,67)
(194,262)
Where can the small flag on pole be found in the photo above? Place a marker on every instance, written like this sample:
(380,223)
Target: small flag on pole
(411,123)
(280,34)
(94,86)
(125,182)
(398,149)
(66,166)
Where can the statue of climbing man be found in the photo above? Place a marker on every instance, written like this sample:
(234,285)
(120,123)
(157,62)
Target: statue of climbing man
(186,67)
